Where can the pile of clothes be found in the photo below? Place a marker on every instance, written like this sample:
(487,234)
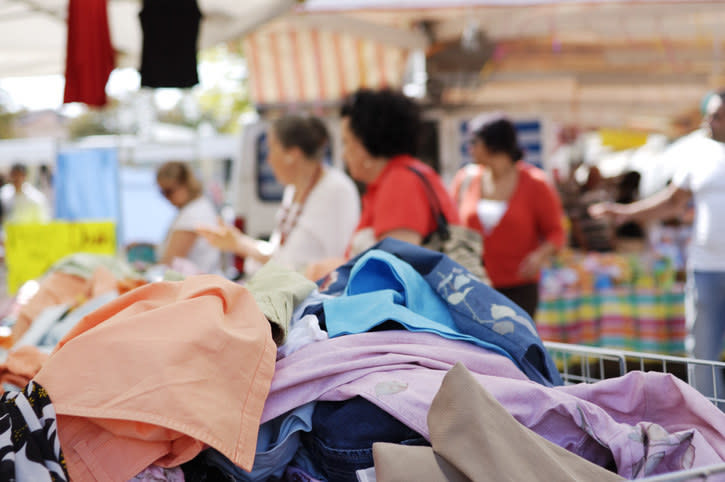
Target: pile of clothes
(400,365)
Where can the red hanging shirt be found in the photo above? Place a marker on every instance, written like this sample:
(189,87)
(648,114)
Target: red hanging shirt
(89,54)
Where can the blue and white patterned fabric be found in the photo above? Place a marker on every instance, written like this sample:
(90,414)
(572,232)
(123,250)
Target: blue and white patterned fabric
(475,309)
(29,445)
(384,288)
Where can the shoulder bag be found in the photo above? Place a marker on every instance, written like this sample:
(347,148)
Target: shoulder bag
(463,245)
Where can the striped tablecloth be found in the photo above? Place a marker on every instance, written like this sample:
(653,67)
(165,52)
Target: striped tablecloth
(626,317)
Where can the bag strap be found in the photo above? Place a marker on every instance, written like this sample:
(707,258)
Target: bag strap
(435,207)
(465,184)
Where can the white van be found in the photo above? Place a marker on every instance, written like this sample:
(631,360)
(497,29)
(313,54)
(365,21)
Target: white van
(254,194)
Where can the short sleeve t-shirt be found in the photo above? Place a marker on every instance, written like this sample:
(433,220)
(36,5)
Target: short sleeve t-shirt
(198,212)
(703,174)
(398,199)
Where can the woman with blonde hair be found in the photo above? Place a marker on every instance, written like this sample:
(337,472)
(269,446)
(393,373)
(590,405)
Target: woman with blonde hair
(180,187)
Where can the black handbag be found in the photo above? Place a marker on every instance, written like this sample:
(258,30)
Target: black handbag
(463,245)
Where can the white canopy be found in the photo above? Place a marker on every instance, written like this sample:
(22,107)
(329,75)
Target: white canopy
(33,32)
(594,62)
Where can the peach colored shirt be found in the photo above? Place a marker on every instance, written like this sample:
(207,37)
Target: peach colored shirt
(158,374)
(21,366)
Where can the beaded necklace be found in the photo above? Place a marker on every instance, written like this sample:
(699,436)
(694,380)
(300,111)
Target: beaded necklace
(289,213)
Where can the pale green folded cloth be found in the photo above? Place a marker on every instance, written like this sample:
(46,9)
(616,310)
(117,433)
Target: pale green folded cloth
(277,291)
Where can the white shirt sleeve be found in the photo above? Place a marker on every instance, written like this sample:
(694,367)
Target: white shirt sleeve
(687,154)
(198,212)
(326,223)
(682,178)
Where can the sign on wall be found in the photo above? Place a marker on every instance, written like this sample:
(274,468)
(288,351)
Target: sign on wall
(530,136)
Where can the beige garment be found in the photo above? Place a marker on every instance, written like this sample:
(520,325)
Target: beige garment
(159,373)
(403,463)
(471,432)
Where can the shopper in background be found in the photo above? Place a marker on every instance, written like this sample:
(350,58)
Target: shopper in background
(590,234)
(514,207)
(380,137)
(180,187)
(320,205)
(701,177)
(21,202)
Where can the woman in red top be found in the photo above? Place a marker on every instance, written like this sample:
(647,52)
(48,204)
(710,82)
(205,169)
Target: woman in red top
(514,207)
(380,136)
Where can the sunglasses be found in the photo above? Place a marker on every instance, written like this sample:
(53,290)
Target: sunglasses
(167,192)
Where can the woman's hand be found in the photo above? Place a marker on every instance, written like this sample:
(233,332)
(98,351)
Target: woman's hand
(222,236)
(532,264)
(619,212)
(315,271)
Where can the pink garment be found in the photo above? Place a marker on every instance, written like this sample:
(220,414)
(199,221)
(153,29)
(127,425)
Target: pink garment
(472,435)
(646,423)
(158,373)
(154,473)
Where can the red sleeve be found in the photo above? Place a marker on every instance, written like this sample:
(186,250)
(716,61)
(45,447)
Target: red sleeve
(402,203)
(550,214)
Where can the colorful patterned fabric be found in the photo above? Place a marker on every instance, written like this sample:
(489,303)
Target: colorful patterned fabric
(632,318)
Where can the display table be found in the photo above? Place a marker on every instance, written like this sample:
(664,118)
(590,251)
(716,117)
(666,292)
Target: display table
(631,307)
(625,317)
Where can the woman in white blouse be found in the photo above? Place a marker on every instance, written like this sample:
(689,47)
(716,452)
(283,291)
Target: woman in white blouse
(181,188)
(320,206)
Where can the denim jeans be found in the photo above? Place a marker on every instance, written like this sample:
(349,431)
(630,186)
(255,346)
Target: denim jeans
(705,313)
(343,433)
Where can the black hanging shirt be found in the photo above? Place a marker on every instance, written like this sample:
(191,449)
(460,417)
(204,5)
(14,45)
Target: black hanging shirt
(170,31)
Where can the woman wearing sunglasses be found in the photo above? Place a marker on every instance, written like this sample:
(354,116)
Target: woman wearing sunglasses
(180,187)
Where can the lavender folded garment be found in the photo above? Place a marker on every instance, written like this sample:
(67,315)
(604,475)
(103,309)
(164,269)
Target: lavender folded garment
(641,423)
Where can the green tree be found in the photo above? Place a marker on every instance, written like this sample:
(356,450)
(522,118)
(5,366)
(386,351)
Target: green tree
(95,122)
(224,102)
(7,117)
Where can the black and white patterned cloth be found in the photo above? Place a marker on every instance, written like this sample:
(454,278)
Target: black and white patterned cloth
(29,446)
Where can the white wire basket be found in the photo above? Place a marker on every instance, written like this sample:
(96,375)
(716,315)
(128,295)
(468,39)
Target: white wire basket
(587,364)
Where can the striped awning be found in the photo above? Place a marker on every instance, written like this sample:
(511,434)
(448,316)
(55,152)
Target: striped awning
(290,63)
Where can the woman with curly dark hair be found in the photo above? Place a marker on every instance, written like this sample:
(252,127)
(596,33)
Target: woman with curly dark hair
(380,136)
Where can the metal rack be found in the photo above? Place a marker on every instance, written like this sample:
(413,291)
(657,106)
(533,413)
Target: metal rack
(587,364)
